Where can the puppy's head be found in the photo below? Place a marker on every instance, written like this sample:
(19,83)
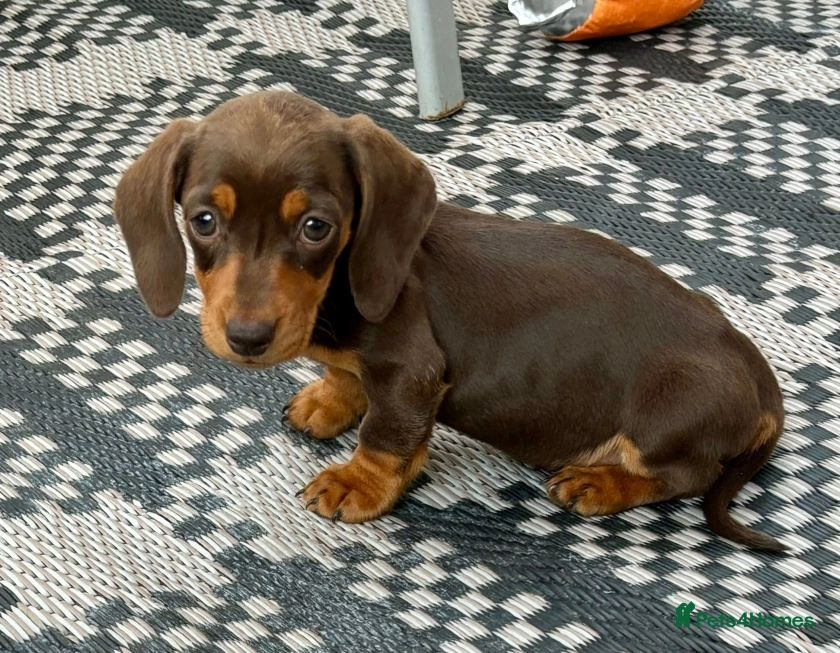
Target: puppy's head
(273,187)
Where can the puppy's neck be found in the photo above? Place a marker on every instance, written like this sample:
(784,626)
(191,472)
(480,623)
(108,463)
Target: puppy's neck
(338,323)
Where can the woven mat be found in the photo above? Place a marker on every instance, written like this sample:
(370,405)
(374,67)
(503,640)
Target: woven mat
(147,489)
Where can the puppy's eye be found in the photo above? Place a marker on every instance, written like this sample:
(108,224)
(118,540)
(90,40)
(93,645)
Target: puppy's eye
(204,225)
(316,230)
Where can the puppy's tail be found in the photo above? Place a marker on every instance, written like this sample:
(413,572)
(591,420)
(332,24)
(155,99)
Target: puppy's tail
(736,473)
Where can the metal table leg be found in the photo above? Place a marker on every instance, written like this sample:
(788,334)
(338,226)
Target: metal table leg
(434,45)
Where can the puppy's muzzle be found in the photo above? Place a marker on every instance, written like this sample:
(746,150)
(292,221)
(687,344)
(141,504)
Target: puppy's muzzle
(249,338)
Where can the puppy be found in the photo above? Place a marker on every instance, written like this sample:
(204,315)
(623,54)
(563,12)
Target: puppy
(322,237)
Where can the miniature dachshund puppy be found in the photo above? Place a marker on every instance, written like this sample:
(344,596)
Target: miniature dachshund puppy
(322,237)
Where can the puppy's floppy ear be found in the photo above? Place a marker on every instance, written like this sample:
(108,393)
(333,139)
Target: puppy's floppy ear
(144,207)
(398,202)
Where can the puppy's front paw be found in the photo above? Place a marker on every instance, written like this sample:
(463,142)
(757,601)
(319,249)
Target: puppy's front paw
(340,492)
(364,488)
(327,407)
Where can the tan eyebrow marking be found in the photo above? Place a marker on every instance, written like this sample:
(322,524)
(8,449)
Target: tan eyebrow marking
(225,198)
(294,204)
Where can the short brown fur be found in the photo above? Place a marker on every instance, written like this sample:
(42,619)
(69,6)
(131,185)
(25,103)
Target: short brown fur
(421,310)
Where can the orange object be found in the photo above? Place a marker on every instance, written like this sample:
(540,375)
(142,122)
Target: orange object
(620,17)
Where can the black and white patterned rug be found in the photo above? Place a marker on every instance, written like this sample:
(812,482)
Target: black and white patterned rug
(147,489)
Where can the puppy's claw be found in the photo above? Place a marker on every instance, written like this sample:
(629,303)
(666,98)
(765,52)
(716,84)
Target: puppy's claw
(300,491)
(286,408)
(336,516)
(551,488)
(307,432)
(310,502)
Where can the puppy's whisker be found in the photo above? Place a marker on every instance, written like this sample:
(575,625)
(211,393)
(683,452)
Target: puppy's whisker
(328,329)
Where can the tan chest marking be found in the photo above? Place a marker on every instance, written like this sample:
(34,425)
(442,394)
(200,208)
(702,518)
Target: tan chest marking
(343,359)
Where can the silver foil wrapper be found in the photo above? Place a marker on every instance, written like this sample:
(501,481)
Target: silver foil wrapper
(553,17)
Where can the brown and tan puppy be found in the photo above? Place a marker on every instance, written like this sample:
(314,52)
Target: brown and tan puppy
(322,237)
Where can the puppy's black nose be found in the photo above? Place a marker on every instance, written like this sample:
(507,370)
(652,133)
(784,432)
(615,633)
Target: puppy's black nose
(248,338)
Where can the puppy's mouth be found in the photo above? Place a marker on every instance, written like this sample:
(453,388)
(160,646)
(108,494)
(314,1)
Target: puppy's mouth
(252,363)
(274,356)
(243,361)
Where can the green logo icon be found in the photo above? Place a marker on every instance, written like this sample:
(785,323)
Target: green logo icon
(682,616)
(683,612)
